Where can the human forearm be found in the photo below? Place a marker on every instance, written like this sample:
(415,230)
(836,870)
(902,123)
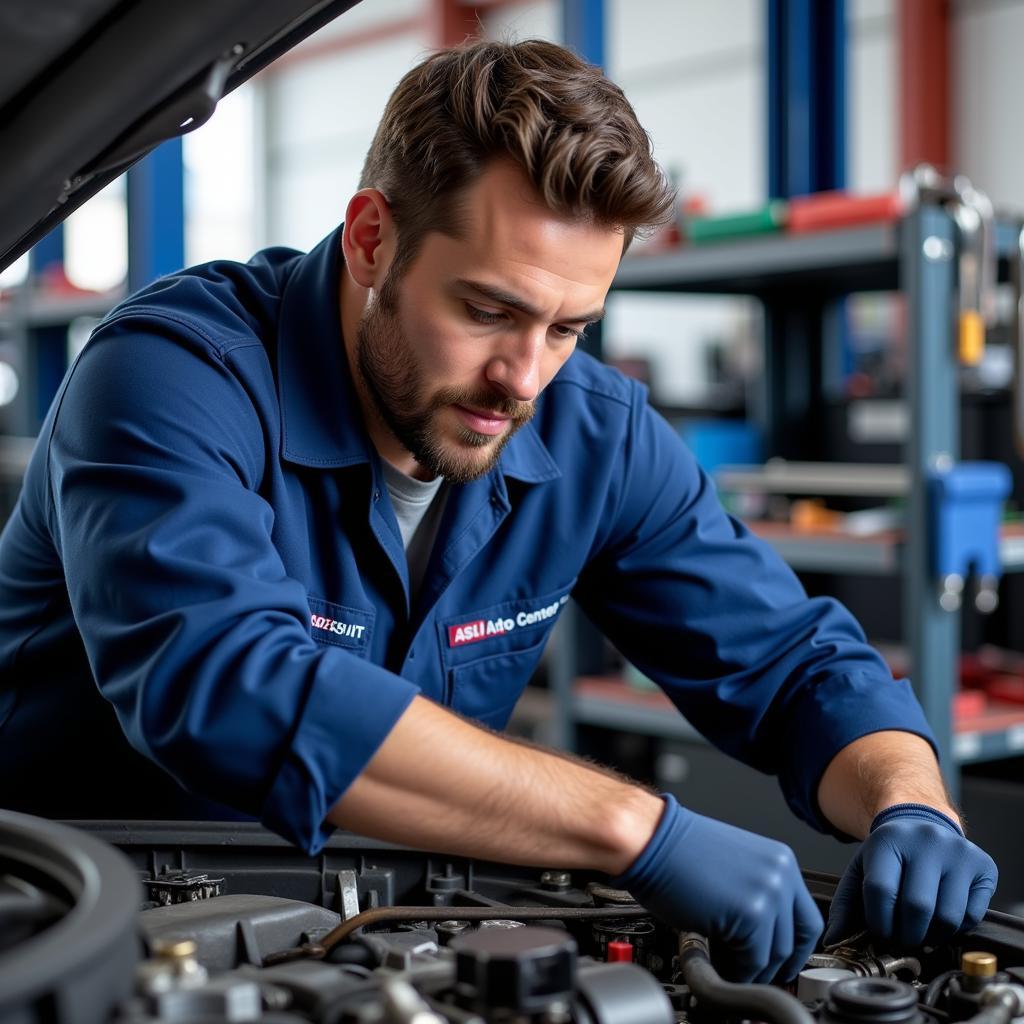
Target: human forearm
(877,771)
(440,783)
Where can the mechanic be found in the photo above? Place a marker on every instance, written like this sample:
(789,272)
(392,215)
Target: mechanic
(296,532)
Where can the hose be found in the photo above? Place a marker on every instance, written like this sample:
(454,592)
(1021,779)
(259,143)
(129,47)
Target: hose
(936,987)
(383,915)
(754,1002)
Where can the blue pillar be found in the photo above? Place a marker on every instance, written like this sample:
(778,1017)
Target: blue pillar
(46,357)
(583,29)
(578,650)
(806,69)
(806,89)
(156,215)
(47,252)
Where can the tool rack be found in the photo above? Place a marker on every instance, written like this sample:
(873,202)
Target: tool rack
(798,279)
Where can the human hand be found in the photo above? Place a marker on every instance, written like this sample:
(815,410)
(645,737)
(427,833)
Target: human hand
(915,879)
(741,890)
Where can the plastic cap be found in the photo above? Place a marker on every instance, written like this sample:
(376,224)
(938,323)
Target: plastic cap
(978,965)
(174,949)
(620,952)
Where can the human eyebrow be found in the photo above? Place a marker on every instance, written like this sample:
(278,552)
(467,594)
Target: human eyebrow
(503,298)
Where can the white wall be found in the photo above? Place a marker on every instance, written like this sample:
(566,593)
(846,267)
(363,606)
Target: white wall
(319,115)
(872,84)
(536,19)
(987,85)
(694,73)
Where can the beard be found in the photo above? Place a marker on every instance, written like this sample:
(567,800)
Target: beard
(392,377)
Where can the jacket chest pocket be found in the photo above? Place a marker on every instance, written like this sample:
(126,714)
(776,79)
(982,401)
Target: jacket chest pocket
(487,689)
(491,653)
(341,625)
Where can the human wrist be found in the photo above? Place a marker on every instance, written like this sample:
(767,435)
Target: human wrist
(922,792)
(878,771)
(911,809)
(630,827)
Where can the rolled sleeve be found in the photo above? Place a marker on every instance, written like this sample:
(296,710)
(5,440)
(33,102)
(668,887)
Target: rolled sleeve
(331,747)
(829,716)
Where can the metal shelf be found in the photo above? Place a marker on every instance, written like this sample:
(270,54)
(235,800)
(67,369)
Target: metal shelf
(51,309)
(855,259)
(833,262)
(612,704)
(994,745)
(781,476)
(865,556)
(859,556)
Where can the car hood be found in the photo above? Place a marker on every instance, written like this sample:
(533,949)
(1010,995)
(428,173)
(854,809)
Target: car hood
(88,87)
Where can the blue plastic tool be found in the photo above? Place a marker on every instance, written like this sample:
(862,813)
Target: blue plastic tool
(966,509)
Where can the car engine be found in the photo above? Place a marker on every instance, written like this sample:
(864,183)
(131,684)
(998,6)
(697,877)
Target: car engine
(204,923)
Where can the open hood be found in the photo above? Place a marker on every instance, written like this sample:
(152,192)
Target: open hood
(87,87)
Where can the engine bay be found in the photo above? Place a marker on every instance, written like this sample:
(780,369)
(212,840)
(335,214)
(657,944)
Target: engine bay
(215,922)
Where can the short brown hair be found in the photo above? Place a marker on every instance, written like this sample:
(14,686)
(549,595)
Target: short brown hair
(569,128)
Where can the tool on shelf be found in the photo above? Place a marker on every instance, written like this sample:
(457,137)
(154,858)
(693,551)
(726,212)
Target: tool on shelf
(966,501)
(822,211)
(975,219)
(766,219)
(974,216)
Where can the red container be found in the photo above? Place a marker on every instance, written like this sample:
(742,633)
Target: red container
(822,211)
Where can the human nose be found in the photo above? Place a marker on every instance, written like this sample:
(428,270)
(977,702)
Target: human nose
(515,369)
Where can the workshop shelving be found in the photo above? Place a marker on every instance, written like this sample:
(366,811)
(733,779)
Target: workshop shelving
(39,308)
(878,554)
(34,324)
(798,278)
(837,262)
(610,702)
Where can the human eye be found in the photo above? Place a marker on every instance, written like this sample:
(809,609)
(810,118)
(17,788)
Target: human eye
(483,316)
(565,332)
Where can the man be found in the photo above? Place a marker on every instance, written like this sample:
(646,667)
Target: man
(292,525)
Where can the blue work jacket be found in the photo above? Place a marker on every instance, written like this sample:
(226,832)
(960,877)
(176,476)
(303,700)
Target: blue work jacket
(204,594)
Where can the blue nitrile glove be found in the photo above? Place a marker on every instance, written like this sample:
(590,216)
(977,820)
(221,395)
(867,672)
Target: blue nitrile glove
(741,890)
(915,879)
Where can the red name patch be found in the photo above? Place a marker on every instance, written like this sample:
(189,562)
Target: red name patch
(477,630)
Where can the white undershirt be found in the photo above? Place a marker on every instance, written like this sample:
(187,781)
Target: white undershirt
(418,506)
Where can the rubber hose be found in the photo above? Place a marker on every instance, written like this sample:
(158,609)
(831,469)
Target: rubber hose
(756,1002)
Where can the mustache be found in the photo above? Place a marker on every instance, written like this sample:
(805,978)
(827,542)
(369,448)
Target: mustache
(485,401)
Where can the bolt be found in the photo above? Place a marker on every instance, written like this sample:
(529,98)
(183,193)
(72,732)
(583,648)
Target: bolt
(558,880)
(937,250)
(951,588)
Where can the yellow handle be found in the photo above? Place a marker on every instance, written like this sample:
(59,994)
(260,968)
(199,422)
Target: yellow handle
(972,337)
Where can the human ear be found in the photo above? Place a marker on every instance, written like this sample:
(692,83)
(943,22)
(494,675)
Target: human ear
(368,240)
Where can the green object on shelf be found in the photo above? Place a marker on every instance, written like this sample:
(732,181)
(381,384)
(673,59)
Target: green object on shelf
(771,217)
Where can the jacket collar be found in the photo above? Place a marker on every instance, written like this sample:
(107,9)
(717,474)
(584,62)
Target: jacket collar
(321,419)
